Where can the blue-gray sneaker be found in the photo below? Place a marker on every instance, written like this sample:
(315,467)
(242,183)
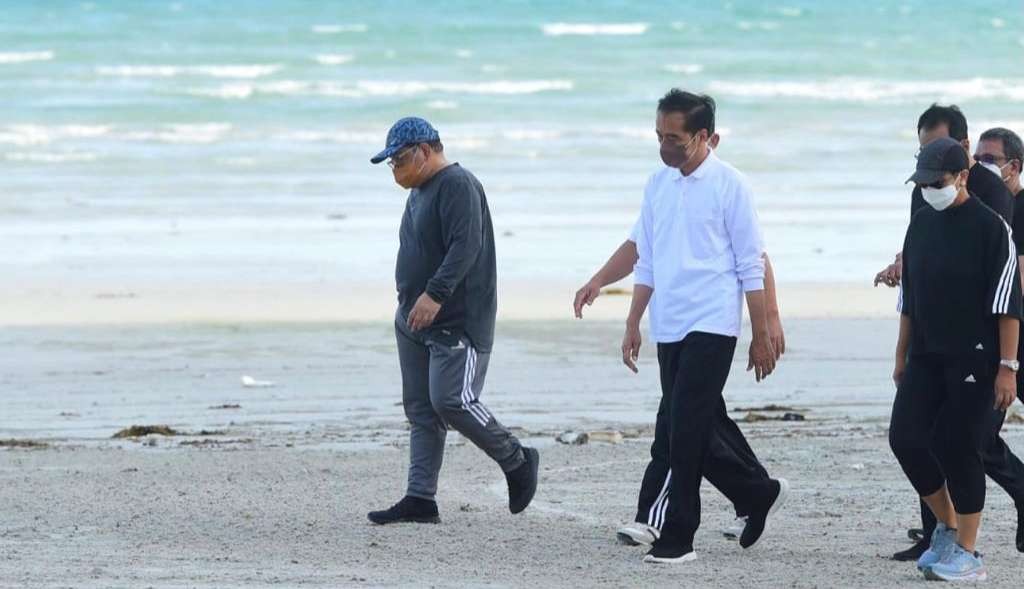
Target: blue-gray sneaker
(958,565)
(943,540)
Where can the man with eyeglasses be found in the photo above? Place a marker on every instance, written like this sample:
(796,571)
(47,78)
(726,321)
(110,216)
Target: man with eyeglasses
(1001,465)
(447,302)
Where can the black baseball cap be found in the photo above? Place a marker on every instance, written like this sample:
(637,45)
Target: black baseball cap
(937,158)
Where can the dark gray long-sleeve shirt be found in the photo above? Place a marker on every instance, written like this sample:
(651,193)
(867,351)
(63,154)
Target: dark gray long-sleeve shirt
(447,251)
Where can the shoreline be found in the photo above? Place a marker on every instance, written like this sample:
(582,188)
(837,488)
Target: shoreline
(127,304)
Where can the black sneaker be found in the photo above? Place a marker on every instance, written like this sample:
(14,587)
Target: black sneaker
(522,482)
(916,534)
(408,510)
(914,552)
(670,553)
(756,522)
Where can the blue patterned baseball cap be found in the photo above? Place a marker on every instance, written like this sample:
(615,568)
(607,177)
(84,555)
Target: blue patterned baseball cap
(407,131)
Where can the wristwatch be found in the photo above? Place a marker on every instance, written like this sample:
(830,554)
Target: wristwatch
(1013,365)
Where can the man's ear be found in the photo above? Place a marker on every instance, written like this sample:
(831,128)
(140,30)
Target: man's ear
(713,140)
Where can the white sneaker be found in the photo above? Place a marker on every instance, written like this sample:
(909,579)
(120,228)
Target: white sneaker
(733,530)
(637,534)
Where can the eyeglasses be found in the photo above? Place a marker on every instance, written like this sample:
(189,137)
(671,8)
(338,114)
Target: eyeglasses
(399,160)
(989,158)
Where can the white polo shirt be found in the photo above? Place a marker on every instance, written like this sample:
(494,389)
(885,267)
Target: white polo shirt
(700,249)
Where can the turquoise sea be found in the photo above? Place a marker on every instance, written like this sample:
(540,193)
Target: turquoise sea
(207,141)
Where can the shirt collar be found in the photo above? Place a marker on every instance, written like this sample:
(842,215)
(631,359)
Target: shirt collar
(701,169)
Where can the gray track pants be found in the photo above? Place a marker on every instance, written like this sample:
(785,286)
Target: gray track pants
(441,385)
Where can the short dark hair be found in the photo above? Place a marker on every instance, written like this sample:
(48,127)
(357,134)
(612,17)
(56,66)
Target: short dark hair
(698,109)
(1012,146)
(437,146)
(951,116)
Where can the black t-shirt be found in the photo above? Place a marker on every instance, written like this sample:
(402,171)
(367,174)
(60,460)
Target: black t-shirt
(1018,223)
(446,249)
(985,185)
(959,276)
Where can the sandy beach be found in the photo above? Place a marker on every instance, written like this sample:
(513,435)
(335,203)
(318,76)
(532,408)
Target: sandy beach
(278,495)
(249,515)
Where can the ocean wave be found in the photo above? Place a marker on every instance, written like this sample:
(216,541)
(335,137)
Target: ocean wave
(338,136)
(200,133)
(872,90)
(760,25)
(26,56)
(335,29)
(333,58)
(26,135)
(380,88)
(169,71)
(688,69)
(590,29)
(443,105)
(41,157)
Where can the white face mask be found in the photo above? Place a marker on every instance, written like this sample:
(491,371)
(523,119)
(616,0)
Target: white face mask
(997,170)
(940,198)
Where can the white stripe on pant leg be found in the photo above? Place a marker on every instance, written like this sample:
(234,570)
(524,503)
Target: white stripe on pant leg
(467,386)
(663,496)
(661,516)
(470,406)
(474,397)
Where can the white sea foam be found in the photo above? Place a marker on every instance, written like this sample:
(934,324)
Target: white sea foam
(761,25)
(380,88)
(874,90)
(169,71)
(688,69)
(334,58)
(443,105)
(337,136)
(26,56)
(335,29)
(589,29)
(200,133)
(25,135)
(463,53)
(42,157)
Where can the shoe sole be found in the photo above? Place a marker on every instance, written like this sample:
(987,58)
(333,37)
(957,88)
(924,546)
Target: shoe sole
(432,519)
(533,456)
(776,506)
(933,576)
(631,537)
(783,495)
(688,557)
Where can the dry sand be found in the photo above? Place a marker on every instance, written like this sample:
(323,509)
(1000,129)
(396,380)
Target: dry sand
(250,515)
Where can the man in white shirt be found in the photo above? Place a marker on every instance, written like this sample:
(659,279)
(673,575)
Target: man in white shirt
(641,530)
(699,253)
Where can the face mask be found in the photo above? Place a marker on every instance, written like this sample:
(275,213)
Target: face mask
(997,170)
(940,198)
(676,155)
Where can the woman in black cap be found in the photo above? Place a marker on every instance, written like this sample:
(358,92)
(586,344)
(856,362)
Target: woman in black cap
(956,355)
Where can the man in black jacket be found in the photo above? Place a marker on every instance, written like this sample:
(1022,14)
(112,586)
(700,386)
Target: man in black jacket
(447,301)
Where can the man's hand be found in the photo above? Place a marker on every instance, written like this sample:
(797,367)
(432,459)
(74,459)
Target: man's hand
(423,312)
(892,274)
(586,295)
(899,370)
(631,346)
(1006,388)
(776,335)
(762,357)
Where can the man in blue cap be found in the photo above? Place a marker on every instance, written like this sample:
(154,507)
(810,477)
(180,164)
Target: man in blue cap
(447,301)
